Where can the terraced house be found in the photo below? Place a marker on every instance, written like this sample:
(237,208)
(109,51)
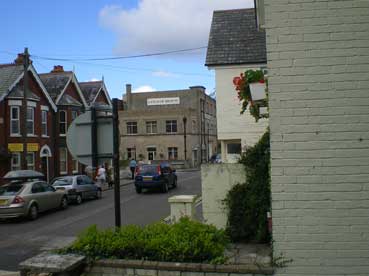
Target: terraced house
(53,101)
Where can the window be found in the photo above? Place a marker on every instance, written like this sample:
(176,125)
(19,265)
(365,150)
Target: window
(234,148)
(151,127)
(44,122)
(194,126)
(74,165)
(62,122)
(14,120)
(30,161)
(16,161)
(74,114)
(63,160)
(131,153)
(171,126)
(132,127)
(172,153)
(151,153)
(30,120)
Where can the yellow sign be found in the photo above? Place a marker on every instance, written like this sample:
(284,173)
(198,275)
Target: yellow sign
(15,147)
(32,147)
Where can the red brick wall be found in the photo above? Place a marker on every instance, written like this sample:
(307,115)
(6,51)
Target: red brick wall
(101,98)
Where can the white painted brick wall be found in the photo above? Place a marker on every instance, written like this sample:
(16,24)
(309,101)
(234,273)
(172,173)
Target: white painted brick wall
(318,60)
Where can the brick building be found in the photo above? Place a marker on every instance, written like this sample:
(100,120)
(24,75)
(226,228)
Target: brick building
(39,139)
(54,100)
(155,125)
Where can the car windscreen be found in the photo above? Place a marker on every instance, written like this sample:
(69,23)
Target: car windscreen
(10,190)
(148,169)
(65,181)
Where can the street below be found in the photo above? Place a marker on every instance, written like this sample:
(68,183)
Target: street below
(21,239)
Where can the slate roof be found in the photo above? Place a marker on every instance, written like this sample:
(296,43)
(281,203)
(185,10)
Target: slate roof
(68,100)
(8,75)
(234,39)
(55,82)
(90,90)
(17,92)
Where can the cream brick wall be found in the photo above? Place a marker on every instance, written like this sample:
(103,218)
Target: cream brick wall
(318,61)
(231,124)
(216,181)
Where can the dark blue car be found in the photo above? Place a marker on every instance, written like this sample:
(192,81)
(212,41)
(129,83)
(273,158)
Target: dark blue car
(155,176)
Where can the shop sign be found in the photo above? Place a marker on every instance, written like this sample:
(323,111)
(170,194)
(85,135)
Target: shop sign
(32,147)
(163,101)
(15,147)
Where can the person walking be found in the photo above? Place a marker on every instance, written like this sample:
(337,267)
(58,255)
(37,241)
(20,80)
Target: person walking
(132,167)
(101,176)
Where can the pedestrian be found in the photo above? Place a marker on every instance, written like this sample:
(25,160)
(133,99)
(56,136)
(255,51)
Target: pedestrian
(101,176)
(109,178)
(132,167)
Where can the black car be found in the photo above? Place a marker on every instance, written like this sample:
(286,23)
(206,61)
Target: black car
(155,176)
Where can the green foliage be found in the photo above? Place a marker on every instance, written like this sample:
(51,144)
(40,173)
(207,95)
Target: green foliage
(248,203)
(185,241)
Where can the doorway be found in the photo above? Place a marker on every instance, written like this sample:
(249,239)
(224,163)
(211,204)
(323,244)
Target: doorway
(45,153)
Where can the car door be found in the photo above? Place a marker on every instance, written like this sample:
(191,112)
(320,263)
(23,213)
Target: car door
(53,198)
(82,187)
(39,196)
(90,186)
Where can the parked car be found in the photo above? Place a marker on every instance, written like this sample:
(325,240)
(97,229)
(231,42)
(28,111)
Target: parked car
(26,195)
(216,159)
(155,176)
(77,187)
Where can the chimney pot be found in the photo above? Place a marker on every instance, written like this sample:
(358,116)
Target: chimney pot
(57,68)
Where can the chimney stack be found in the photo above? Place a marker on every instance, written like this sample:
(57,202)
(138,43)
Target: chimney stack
(129,95)
(20,59)
(57,69)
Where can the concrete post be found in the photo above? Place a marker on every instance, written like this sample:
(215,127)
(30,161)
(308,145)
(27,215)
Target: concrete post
(182,206)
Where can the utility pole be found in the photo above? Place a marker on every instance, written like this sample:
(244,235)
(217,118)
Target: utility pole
(116,137)
(24,105)
(185,138)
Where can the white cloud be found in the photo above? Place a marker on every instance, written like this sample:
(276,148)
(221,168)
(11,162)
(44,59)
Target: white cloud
(165,74)
(144,88)
(93,79)
(162,25)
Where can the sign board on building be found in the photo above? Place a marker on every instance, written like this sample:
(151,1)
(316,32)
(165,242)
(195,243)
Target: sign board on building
(163,101)
(32,147)
(15,147)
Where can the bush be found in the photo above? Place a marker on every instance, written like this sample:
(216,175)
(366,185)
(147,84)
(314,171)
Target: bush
(185,241)
(248,203)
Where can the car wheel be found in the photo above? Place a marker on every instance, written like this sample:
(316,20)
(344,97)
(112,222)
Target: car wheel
(33,212)
(138,190)
(175,183)
(98,194)
(165,187)
(64,203)
(79,199)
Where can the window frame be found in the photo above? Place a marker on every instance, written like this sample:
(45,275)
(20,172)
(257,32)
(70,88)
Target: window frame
(63,161)
(150,125)
(172,125)
(173,151)
(31,120)
(15,120)
(44,130)
(18,166)
(132,127)
(63,122)
(32,165)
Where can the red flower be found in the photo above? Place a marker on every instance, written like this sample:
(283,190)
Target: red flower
(237,81)
(262,81)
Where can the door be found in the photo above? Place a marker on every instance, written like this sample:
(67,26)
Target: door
(39,195)
(151,153)
(45,167)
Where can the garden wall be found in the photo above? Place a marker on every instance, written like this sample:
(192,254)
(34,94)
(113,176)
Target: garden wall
(148,268)
(216,181)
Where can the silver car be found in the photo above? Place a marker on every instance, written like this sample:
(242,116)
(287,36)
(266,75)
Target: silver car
(77,187)
(26,195)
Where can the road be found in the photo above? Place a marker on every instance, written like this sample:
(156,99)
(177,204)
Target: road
(21,239)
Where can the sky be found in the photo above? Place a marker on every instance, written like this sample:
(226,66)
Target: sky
(84,29)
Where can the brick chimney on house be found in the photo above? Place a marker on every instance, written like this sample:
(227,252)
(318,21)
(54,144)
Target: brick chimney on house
(20,59)
(129,96)
(57,69)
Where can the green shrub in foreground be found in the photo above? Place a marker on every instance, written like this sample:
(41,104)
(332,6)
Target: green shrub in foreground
(185,241)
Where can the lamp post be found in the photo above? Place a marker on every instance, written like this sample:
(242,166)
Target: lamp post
(184,137)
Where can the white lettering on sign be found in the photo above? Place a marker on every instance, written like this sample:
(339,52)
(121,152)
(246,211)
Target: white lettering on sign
(163,101)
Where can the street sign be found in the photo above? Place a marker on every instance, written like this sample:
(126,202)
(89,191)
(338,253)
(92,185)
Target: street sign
(80,140)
